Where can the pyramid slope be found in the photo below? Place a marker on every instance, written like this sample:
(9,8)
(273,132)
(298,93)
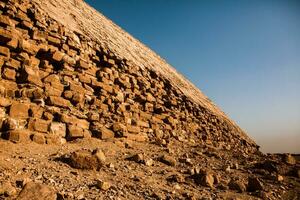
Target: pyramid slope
(67,72)
(80,17)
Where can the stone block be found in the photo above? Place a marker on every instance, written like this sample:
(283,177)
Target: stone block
(39,138)
(54,41)
(18,136)
(105,133)
(82,64)
(59,101)
(5,21)
(69,119)
(133,129)
(57,128)
(31,75)
(28,46)
(19,110)
(39,125)
(12,63)
(5,51)
(75,132)
(5,35)
(9,74)
(55,139)
(52,91)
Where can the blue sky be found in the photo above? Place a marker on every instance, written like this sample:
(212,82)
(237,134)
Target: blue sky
(244,55)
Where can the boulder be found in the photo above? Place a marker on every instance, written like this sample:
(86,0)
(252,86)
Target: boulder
(84,159)
(168,160)
(254,184)
(37,191)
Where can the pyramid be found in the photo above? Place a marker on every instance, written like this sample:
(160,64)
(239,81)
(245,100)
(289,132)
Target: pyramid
(89,112)
(69,71)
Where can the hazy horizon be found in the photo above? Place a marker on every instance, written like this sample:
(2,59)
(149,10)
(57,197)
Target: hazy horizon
(244,55)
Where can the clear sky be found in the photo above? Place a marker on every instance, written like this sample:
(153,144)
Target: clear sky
(243,54)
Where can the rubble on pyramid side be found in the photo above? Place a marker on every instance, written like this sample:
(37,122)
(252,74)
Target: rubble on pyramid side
(58,85)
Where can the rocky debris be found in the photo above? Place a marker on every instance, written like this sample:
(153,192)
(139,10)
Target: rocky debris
(289,159)
(138,158)
(142,158)
(279,178)
(84,159)
(37,191)
(168,160)
(204,178)
(103,185)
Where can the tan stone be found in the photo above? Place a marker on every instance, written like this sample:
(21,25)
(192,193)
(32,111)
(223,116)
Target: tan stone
(75,132)
(5,21)
(13,43)
(68,119)
(53,40)
(58,101)
(39,138)
(18,136)
(133,129)
(83,159)
(105,133)
(52,91)
(12,63)
(31,75)
(19,110)
(4,51)
(5,102)
(5,35)
(142,137)
(37,191)
(39,125)
(57,128)
(28,46)
(9,74)
(82,64)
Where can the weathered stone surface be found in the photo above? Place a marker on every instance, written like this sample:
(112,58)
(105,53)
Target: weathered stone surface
(75,80)
(58,129)
(105,133)
(5,102)
(39,125)
(75,132)
(84,159)
(5,21)
(168,160)
(9,74)
(119,129)
(5,51)
(58,101)
(39,138)
(103,185)
(37,191)
(68,119)
(19,110)
(31,75)
(18,136)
